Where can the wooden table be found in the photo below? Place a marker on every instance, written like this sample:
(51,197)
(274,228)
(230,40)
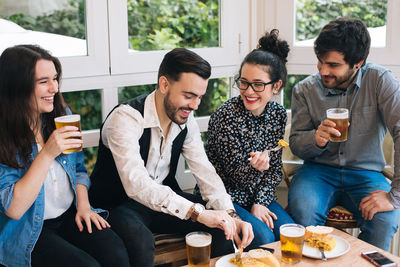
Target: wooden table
(351,258)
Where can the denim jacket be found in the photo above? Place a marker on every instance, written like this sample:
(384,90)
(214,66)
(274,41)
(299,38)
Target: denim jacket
(18,237)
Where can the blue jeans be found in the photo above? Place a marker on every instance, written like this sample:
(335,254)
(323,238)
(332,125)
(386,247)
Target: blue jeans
(262,233)
(316,188)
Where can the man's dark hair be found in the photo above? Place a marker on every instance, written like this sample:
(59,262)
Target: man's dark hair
(347,36)
(181,60)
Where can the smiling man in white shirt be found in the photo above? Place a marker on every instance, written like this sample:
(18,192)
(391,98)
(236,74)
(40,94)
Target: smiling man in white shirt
(134,176)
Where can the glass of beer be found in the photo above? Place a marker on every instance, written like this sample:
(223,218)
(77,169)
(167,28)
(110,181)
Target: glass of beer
(292,240)
(340,116)
(198,247)
(71,120)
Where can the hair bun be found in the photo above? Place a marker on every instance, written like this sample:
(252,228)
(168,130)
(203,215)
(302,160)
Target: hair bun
(270,42)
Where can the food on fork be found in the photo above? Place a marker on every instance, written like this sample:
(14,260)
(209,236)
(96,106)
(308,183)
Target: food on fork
(257,258)
(317,237)
(283,143)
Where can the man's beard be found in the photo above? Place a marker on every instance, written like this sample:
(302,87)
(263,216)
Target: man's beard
(172,111)
(340,80)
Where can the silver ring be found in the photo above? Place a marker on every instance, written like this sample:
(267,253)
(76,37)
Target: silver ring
(222,222)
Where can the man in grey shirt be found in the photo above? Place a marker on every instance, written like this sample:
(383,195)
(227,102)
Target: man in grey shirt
(346,173)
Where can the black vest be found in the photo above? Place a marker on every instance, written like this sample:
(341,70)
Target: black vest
(106,190)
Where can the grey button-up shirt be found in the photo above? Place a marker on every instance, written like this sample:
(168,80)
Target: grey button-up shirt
(373,100)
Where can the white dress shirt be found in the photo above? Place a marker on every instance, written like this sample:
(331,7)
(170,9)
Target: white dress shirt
(58,193)
(121,133)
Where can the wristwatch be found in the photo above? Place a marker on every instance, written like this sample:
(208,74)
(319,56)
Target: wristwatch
(196,210)
(233,214)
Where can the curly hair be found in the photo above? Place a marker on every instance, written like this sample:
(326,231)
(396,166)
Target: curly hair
(347,36)
(271,53)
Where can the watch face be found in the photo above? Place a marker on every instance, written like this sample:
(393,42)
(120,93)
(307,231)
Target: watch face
(198,208)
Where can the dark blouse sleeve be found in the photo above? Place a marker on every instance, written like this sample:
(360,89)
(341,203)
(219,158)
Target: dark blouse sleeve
(266,191)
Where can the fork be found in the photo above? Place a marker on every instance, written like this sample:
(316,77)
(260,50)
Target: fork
(238,253)
(276,148)
(323,257)
(273,150)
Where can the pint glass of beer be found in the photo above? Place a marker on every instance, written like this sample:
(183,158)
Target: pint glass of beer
(292,240)
(340,116)
(198,247)
(71,120)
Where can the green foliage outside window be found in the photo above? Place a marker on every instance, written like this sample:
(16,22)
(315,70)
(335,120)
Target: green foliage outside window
(312,15)
(166,24)
(69,22)
(287,91)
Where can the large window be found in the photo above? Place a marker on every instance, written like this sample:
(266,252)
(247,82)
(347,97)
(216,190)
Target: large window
(141,31)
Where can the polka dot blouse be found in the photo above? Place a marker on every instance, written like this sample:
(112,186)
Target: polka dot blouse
(233,132)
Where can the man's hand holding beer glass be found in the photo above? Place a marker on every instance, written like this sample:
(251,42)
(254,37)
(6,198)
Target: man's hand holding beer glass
(231,226)
(333,128)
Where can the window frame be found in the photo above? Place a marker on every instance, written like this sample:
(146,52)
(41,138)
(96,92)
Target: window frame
(96,62)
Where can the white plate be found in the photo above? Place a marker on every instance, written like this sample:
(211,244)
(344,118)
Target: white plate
(225,260)
(342,246)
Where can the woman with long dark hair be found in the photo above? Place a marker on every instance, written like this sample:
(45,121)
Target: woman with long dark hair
(45,215)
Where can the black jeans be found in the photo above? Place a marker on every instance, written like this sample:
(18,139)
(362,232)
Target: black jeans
(61,244)
(135,224)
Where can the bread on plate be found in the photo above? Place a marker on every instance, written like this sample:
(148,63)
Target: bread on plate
(257,258)
(317,237)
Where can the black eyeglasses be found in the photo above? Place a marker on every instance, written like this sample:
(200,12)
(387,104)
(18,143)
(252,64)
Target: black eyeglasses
(256,86)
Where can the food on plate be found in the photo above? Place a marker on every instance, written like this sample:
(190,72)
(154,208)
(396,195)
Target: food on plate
(317,237)
(257,258)
(283,143)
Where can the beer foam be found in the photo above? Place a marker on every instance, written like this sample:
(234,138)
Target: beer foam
(68,118)
(293,231)
(197,240)
(332,114)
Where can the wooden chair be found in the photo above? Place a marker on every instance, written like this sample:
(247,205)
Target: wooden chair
(338,216)
(170,250)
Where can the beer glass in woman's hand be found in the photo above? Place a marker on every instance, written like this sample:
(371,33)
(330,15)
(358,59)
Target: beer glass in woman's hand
(72,120)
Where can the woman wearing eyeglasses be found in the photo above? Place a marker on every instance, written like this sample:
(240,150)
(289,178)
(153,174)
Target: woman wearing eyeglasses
(243,130)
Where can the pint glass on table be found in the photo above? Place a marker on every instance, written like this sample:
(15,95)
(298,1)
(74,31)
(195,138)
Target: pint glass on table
(71,120)
(340,116)
(198,247)
(292,240)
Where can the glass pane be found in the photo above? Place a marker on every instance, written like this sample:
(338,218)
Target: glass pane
(312,15)
(90,158)
(287,91)
(217,93)
(166,24)
(57,25)
(88,104)
(128,92)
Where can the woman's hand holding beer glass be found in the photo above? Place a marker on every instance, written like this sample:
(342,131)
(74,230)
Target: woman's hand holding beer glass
(67,137)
